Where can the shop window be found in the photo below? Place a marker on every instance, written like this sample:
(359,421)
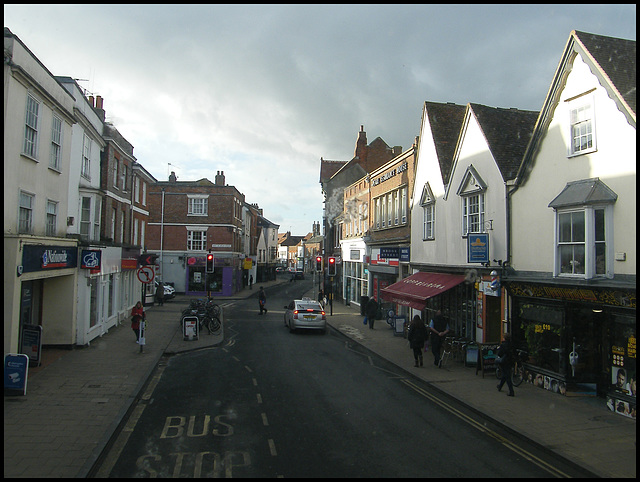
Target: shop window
(541,328)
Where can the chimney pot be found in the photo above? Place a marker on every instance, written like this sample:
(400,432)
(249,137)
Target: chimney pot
(98,102)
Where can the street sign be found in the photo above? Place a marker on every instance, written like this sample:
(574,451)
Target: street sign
(146,274)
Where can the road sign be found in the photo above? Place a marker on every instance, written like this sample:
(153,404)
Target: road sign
(146,274)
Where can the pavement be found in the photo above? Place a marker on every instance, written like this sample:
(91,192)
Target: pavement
(77,398)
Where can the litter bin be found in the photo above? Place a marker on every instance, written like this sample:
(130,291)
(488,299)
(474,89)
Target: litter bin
(363,304)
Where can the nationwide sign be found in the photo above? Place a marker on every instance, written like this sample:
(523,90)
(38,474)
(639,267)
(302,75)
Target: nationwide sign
(43,258)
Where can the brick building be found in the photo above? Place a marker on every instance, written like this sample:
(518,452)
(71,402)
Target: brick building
(189,218)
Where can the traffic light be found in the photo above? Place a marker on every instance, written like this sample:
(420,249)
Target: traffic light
(209,263)
(318,263)
(332,266)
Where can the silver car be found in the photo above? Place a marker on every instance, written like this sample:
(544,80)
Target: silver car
(305,314)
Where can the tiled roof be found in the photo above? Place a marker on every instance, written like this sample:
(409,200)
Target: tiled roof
(445,121)
(508,132)
(329,168)
(617,59)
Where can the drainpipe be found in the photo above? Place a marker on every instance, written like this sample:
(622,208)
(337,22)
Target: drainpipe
(162,238)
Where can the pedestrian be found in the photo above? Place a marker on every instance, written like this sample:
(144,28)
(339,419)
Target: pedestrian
(417,336)
(262,300)
(505,353)
(371,310)
(137,315)
(321,297)
(160,294)
(438,329)
(250,282)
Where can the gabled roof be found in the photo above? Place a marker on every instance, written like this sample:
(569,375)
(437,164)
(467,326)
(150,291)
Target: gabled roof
(507,132)
(445,121)
(612,60)
(616,58)
(329,168)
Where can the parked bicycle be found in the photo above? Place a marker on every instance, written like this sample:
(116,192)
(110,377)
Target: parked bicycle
(518,369)
(207,312)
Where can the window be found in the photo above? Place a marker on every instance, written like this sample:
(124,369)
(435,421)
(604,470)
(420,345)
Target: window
(581,119)
(56,143)
(85,217)
(113,224)
(124,177)
(137,190)
(377,214)
(115,171)
(144,193)
(196,240)
(85,169)
(571,242)
(96,220)
(389,208)
(472,214)
(25,217)
(30,146)
(428,203)
(582,248)
(198,205)
(52,216)
(403,206)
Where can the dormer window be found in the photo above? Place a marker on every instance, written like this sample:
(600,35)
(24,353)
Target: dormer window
(471,192)
(582,125)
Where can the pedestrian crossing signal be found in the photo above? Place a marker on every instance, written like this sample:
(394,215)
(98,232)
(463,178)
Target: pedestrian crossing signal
(332,266)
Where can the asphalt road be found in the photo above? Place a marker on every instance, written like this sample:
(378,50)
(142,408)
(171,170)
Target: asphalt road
(269,403)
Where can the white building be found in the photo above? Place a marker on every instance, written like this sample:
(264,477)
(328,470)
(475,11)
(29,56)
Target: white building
(573,225)
(40,273)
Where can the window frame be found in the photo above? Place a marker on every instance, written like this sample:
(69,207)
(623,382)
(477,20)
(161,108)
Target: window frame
(85,169)
(193,200)
(467,214)
(192,242)
(594,230)
(31,126)
(27,210)
(51,224)
(56,143)
(574,107)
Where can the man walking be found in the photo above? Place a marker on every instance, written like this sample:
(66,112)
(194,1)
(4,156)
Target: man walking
(439,329)
(262,300)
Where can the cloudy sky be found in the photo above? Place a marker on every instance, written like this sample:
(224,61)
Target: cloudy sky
(263,92)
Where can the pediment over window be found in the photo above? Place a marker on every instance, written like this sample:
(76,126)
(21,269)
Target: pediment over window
(471,182)
(427,195)
(584,192)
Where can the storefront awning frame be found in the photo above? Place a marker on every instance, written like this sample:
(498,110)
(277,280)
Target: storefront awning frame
(415,290)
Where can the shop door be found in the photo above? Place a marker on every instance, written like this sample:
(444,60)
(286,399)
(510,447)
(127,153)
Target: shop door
(493,320)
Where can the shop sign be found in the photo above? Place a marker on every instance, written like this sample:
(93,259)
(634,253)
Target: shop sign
(611,297)
(390,253)
(248,263)
(32,343)
(130,263)
(478,248)
(405,254)
(90,259)
(45,258)
(16,368)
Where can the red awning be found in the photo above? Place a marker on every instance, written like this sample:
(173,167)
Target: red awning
(415,290)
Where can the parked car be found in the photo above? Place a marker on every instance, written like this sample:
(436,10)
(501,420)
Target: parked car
(305,314)
(169,291)
(298,275)
(280,269)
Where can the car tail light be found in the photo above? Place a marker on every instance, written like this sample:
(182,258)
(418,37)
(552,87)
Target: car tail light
(324,316)
(295,314)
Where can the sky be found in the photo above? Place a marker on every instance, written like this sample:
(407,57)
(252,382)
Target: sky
(263,92)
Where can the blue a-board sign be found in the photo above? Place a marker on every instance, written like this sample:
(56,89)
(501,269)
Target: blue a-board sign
(16,368)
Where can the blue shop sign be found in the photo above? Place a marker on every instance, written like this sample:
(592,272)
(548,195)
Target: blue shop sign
(389,253)
(45,258)
(478,244)
(405,254)
(90,259)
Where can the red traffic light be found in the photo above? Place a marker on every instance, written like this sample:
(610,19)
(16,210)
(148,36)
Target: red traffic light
(209,257)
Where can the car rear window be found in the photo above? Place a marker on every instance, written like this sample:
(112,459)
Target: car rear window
(309,306)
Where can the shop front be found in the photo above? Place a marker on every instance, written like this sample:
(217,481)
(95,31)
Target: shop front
(580,339)
(225,280)
(354,276)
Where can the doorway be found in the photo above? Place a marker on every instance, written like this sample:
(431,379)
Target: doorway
(493,320)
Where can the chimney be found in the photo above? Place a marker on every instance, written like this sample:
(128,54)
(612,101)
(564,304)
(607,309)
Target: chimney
(98,102)
(220,178)
(361,145)
(172,177)
(91,101)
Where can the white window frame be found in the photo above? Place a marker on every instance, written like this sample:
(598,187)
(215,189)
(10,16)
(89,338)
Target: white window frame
(85,170)
(31,127)
(85,217)
(56,143)
(196,238)
(96,218)
(429,221)
(404,205)
(26,202)
(468,213)
(591,240)
(581,114)
(51,224)
(198,205)
(115,171)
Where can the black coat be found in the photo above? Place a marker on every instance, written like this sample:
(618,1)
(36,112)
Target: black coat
(505,351)
(417,335)
(372,309)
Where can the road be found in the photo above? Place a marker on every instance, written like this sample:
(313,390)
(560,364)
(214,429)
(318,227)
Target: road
(269,403)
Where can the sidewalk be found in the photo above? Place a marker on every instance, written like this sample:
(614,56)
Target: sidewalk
(76,402)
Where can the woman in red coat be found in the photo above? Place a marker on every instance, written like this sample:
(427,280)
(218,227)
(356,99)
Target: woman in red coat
(137,314)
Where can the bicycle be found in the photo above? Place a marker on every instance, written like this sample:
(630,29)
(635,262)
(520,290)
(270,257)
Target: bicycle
(518,369)
(207,312)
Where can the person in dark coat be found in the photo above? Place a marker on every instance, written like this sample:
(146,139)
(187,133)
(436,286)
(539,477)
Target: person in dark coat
(160,294)
(439,329)
(371,311)
(417,336)
(262,300)
(505,352)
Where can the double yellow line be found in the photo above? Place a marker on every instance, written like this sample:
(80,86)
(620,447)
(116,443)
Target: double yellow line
(474,423)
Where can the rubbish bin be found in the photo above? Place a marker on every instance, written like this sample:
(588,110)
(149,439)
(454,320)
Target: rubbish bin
(363,304)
